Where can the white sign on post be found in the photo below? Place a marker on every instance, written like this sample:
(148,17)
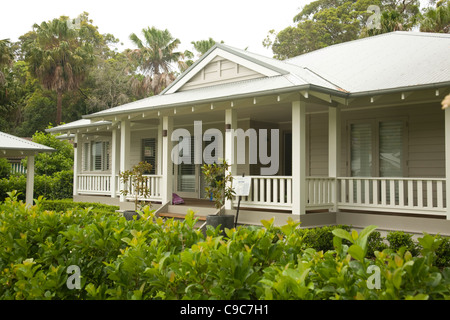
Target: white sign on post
(241,186)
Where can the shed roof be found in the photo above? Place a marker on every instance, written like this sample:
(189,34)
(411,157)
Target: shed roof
(14,146)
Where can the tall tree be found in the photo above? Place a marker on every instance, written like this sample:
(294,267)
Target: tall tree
(156,55)
(436,19)
(202,46)
(322,23)
(59,56)
(6,58)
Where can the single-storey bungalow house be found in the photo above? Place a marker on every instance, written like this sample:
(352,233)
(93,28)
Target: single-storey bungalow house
(349,134)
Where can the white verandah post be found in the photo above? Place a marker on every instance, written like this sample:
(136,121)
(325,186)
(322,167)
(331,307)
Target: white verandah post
(298,157)
(30,180)
(166,185)
(114,161)
(334,150)
(230,154)
(77,156)
(125,141)
(447,161)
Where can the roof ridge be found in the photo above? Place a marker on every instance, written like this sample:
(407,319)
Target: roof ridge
(407,33)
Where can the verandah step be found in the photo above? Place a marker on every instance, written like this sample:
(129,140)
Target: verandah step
(179,216)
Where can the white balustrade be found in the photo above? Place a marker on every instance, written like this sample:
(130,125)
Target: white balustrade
(405,195)
(99,184)
(269,192)
(409,195)
(153,182)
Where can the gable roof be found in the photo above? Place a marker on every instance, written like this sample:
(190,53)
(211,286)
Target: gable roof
(14,146)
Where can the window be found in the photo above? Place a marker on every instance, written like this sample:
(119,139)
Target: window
(149,153)
(377,148)
(96,156)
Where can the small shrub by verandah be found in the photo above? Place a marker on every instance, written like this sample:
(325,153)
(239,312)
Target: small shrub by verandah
(398,239)
(153,258)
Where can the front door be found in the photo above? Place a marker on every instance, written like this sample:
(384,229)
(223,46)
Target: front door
(187,177)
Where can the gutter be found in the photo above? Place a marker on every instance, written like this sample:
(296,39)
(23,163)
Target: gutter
(292,89)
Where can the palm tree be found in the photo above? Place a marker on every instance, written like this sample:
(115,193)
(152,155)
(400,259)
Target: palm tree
(58,57)
(156,56)
(202,46)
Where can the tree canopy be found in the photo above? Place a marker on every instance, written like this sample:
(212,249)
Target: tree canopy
(322,23)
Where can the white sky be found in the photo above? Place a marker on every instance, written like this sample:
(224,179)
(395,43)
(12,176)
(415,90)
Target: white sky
(239,23)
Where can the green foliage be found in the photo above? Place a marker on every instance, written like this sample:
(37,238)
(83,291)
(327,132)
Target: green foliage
(63,205)
(218,182)
(51,162)
(398,239)
(5,168)
(58,186)
(135,178)
(153,258)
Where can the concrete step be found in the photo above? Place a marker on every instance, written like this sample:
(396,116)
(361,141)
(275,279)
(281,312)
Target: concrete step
(183,209)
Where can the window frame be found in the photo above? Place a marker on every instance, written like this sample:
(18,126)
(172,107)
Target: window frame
(375,127)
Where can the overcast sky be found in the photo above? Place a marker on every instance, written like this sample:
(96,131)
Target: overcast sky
(239,23)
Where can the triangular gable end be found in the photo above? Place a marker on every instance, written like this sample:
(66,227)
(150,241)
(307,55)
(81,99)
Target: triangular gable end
(221,66)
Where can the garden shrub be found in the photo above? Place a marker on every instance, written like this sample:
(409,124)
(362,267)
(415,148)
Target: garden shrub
(58,186)
(69,204)
(320,238)
(155,258)
(5,168)
(443,253)
(398,239)
(375,243)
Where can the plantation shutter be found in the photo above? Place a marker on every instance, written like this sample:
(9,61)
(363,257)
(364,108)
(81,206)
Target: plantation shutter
(361,149)
(391,148)
(96,156)
(85,156)
(186,172)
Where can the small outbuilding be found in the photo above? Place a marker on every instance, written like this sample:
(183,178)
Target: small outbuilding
(12,146)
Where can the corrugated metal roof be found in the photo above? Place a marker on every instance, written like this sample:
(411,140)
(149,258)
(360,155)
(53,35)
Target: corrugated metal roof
(384,62)
(12,146)
(392,60)
(82,123)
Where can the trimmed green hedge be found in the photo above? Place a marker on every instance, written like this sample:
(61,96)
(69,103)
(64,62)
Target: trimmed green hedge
(155,258)
(68,204)
(58,186)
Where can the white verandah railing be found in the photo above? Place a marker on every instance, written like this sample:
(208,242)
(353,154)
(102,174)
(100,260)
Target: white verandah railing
(153,183)
(100,184)
(409,195)
(403,195)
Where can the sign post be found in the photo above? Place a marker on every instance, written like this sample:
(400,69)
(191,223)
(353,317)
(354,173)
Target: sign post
(241,186)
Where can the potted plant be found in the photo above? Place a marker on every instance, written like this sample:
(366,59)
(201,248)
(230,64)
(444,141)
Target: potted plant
(135,182)
(218,182)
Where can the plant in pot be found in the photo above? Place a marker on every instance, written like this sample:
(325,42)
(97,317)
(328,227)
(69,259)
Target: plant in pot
(218,181)
(136,183)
